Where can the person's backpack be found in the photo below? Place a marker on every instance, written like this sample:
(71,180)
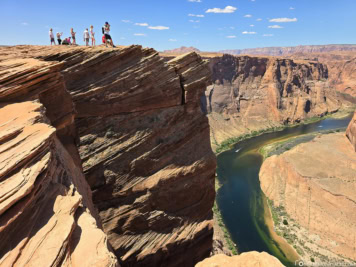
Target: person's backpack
(103,39)
(103,30)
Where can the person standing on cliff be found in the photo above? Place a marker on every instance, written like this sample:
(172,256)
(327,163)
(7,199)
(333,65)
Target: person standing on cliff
(107,35)
(72,33)
(59,40)
(92,35)
(51,36)
(86,37)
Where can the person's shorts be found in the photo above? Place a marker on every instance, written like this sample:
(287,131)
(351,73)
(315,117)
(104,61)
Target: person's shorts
(52,40)
(87,39)
(107,37)
(73,38)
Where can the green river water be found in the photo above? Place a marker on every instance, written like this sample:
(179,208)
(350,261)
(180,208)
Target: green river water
(240,198)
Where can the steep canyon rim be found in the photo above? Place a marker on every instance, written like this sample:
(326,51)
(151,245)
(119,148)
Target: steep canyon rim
(150,188)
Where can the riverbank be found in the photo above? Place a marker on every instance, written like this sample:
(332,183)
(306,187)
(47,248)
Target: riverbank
(230,142)
(286,228)
(244,154)
(222,242)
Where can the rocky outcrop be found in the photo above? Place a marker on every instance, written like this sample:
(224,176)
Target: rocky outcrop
(252,93)
(351,131)
(248,259)
(315,184)
(46,213)
(142,138)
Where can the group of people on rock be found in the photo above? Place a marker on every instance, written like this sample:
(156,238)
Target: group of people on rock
(87,35)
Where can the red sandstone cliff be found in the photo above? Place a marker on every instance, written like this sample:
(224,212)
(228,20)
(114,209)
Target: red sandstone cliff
(315,184)
(133,124)
(351,131)
(252,93)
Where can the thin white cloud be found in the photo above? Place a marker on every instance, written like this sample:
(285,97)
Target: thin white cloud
(198,16)
(172,40)
(232,28)
(268,35)
(231,36)
(123,38)
(194,21)
(275,27)
(195,1)
(24,24)
(283,20)
(246,32)
(291,8)
(160,28)
(126,21)
(140,34)
(252,25)
(259,19)
(227,9)
(144,24)
(248,16)
(253,0)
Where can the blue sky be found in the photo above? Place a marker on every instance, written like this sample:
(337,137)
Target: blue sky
(223,24)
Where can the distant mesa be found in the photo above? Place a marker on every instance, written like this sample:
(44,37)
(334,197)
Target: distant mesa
(182,50)
(283,51)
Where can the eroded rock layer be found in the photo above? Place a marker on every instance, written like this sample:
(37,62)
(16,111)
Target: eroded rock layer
(252,93)
(47,217)
(248,259)
(351,131)
(143,141)
(315,183)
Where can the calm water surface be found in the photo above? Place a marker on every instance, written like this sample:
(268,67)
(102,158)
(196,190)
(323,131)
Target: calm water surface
(240,198)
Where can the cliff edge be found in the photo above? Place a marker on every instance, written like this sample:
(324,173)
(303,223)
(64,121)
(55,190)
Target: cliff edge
(130,127)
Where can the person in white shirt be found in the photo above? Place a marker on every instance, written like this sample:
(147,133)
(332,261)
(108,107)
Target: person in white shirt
(107,35)
(86,37)
(51,36)
(92,34)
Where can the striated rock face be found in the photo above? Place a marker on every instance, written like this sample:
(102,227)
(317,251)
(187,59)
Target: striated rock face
(342,69)
(260,92)
(142,138)
(46,213)
(315,183)
(283,51)
(351,131)
(248,259)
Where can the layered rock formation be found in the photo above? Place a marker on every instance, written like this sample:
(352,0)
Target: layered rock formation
(351,131)
(315,183)
(46,213)
(248,259)
(284,51)
(143,144)
(252,93)
(342,69)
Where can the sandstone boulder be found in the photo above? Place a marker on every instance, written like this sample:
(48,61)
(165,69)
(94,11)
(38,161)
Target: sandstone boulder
(248,259)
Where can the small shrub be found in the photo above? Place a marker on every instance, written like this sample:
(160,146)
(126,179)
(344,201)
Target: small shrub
(285,222)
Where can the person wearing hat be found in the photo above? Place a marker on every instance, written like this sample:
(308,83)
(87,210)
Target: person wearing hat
(107,35)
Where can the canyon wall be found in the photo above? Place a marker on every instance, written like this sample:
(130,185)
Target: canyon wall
(351,131)
(315,183)
(342,70)
(132,124)
(254,93)
(284,51)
